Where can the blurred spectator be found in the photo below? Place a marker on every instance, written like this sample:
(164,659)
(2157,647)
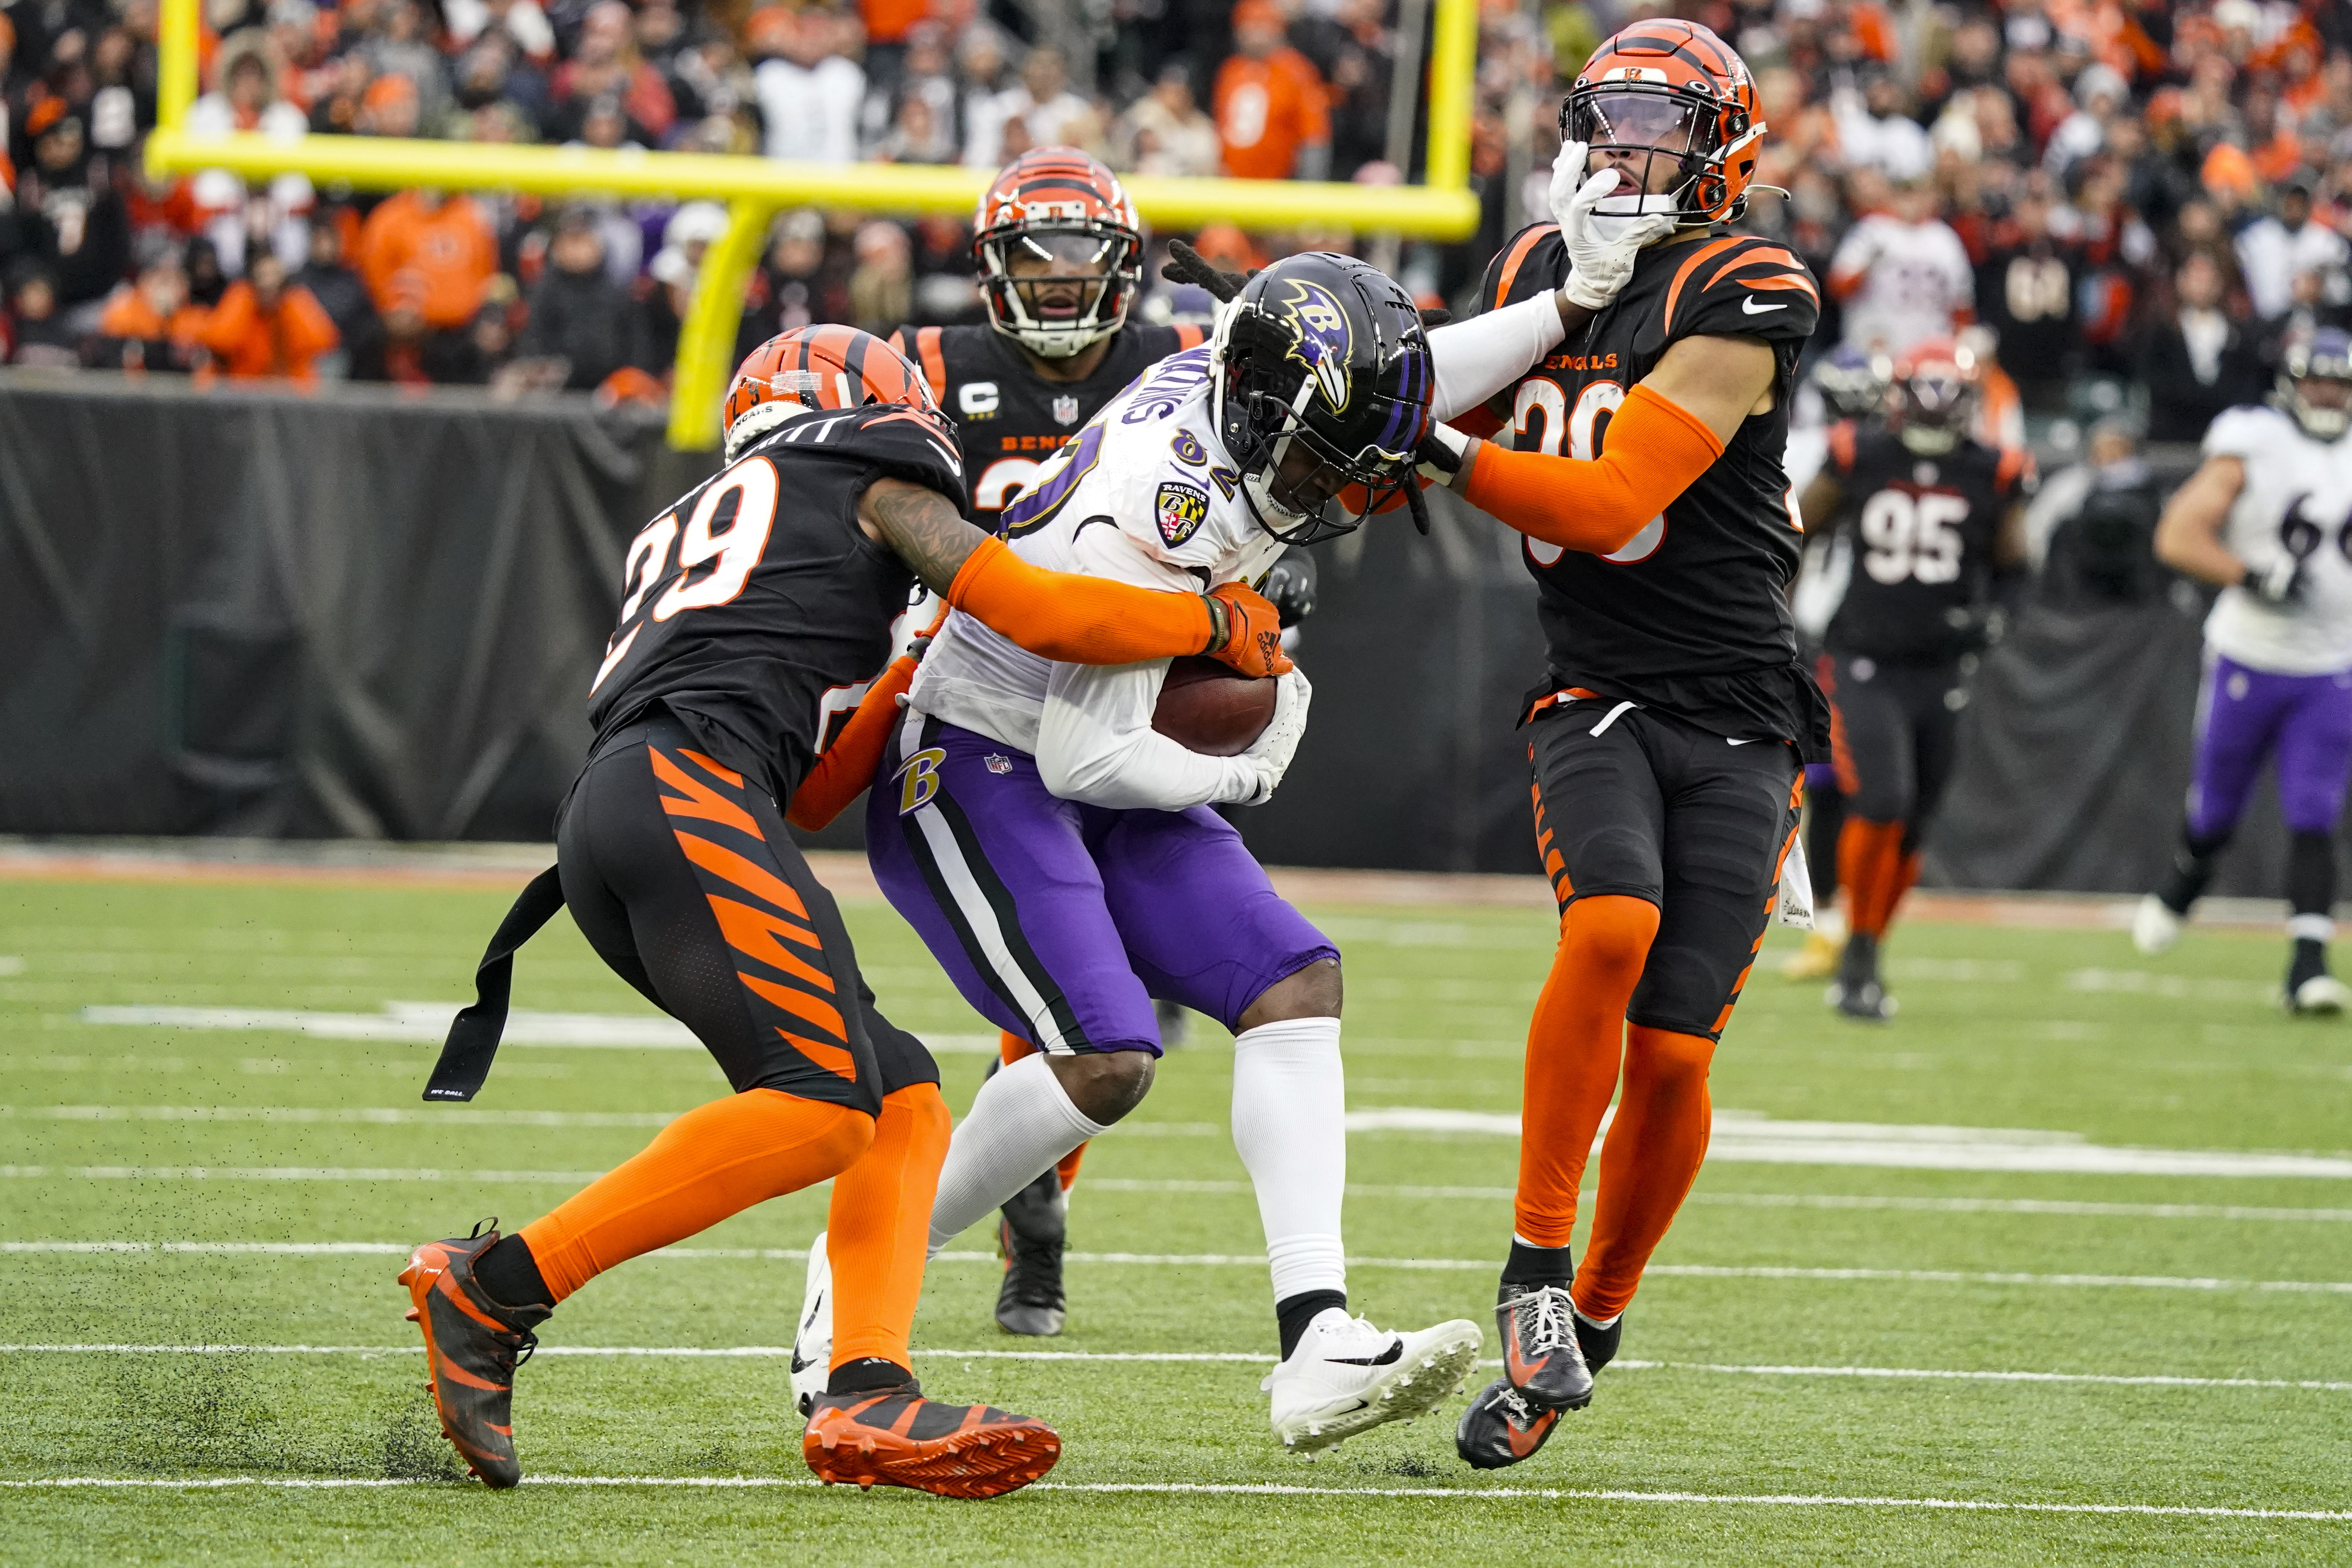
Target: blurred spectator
(1054,115)
(990,94)
(520,21)
(397,45)
(343,295)
(2026,291)
(789,291)
(606,70)
(150,324)
(577,315)
(70,217)
(207,281)
(2195,361)
(1270,102)
(1903,275)
(38,334)
(1164,131)
(882,289)
(926,77)
(1876,129)
(249,100)
(2272,251)
(809,92)
(2089,533)
(427,257)
(267,326)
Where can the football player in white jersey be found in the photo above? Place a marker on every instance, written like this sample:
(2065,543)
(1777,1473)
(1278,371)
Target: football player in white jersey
(2269,518)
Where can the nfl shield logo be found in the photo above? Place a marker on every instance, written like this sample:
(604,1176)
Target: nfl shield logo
(1065,410)
(998,763)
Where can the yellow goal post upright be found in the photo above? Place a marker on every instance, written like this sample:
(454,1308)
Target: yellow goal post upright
(756,189)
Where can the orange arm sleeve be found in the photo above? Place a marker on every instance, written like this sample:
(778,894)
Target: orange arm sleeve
(1655,448)
(1077,620)
(850,764)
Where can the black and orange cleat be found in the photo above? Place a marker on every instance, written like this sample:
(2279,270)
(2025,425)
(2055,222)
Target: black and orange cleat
(896,1438)
(473,1345)
(1502,1426)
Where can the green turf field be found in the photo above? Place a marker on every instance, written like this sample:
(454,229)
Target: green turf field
(1816,1353)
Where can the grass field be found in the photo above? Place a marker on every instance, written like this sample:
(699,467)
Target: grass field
(2079,1338)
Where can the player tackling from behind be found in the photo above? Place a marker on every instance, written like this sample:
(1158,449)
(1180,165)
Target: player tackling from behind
(1667,736)
(757,612)
(2269,518)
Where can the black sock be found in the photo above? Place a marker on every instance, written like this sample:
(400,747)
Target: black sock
(866,1375)
(1824,820)
(2311,874)
(2192,867)
(1539,1266)
(1294,1312)
(510,1274)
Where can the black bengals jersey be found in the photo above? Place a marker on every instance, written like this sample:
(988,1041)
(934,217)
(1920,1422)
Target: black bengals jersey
(1012,420)
(1691,616)
(755,609)
(1923,531)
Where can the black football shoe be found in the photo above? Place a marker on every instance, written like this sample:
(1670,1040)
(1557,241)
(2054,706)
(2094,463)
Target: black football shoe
(1030,1233)
(1541,1356)
(1501,1427)
(473,1345)
(896,1438)
(1857,991)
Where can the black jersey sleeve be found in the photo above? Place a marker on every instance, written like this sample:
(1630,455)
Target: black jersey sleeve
(1743,286)
(1535,262)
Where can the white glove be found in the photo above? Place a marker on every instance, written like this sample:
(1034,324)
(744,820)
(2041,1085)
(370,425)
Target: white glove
(1440,453)
(1599,267)
(1271,753)
(2279,583)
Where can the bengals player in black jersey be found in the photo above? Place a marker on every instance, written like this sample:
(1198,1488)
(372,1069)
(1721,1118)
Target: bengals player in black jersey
(756,621)
(1933,515)
(1666,736)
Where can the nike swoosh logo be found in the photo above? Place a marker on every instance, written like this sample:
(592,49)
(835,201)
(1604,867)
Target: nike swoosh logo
(1386,1358)
(1750,741)
(1753,309)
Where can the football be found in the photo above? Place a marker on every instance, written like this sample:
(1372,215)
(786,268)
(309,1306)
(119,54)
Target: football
(1212,708)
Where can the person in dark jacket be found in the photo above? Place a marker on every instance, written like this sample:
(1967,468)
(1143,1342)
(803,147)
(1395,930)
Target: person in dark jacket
(579,316)
(2196,361)
(344,295)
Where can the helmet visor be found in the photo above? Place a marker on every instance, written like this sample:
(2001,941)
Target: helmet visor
(1061,277)
(1633,119)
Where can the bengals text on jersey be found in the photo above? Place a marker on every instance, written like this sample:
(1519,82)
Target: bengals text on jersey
(1924,528)
(1010,419)
(1691,617)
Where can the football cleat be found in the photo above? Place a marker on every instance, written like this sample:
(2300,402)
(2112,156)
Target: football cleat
(896,1438)
(2156,926)
(812,1340)
(1817,960)
(1541,1357)
(472,1345)
(2321,996)
(1857,992)
(1501,1427)
(1345,1376)
(1029,1236)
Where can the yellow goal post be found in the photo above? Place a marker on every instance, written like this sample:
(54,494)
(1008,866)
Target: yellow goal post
(756,189)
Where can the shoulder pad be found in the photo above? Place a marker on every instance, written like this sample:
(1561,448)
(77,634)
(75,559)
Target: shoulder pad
(1741,286)
(2247,432)
(1533,263)
(911,444)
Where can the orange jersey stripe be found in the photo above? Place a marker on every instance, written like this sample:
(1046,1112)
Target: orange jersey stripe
(1754,256)
(1682,275)
(935,363)
(1519,254)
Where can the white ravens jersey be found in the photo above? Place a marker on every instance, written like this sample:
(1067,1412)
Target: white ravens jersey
(2296,502)
(1143,494)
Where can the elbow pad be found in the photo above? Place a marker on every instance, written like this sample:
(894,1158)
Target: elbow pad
(1656,448)
(1077,620)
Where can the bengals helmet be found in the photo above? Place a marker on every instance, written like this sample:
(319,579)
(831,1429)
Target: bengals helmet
(1669,88)
(1853,385)
(1058,207)
(1935,395)
(813,368)
(1324,353)
(2322,355)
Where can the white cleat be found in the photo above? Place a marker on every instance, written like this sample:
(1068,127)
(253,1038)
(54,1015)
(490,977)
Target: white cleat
(1347,1376)
(2154,927)
(2322,996)
(813,1344)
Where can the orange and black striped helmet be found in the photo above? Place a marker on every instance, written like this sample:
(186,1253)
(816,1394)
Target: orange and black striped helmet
(1671,88)
(1073,221)
(817,367)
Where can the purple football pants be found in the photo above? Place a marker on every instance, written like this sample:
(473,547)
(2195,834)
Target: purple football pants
(1061,921)
(2244,715)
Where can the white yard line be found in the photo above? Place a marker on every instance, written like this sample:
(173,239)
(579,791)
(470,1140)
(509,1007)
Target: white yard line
(290,1174)
(428,1023)
(1211,1488)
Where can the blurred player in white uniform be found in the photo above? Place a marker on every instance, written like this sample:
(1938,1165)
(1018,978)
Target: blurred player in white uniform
(2269,517)
(1904,275)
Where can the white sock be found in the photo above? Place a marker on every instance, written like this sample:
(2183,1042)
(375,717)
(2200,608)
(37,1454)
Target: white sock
(1290,1109)
(1021,1124)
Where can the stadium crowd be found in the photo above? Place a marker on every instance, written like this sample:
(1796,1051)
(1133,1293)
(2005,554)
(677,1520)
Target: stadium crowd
(2147,191)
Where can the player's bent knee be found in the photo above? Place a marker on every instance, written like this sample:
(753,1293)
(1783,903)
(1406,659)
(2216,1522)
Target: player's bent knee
(1313,992)
(1667,1057)
(1104,1085)
(1609,930)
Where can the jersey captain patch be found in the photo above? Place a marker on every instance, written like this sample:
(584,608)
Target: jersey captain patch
(1180,509)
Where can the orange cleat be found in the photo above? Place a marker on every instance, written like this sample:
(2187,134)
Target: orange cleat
(896,1438)
(473,1345)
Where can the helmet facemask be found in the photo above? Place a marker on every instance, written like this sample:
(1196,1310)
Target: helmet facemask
(1077,282)
(1936,404)
(1303,489)
(2325,360)
(1649,121)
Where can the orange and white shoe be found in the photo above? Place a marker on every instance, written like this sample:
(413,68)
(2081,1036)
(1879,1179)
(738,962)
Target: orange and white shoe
(896,1438)
(473,1345)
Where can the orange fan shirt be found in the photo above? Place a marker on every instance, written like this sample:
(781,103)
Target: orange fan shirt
(1267,110)
(446,257)
(285,342)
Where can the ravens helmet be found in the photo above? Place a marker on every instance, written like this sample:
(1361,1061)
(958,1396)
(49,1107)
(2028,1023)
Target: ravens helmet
(2325,356)
(1853,383)
(1320,379)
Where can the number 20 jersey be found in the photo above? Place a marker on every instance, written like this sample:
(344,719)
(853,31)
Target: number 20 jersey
(756,609)
(1692,616)
(2296,502)
(1924,530)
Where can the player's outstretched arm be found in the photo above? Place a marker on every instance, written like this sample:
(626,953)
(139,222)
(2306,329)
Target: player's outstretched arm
(2188,534)
(1672,425)
(1056,616)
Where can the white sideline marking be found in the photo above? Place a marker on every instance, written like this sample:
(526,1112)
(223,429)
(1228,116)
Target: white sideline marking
(1267,1489)
(428,1021)
(290,1174)
(1246,1260)
(451,1115)
(1252,1358)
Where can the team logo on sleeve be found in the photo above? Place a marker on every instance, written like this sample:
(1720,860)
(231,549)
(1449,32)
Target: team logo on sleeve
(1181,509)
(1065,410)
(1322,343)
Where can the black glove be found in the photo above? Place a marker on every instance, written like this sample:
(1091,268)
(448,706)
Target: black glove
(1290,587)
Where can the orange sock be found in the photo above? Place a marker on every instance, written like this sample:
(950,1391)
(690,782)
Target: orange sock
(1010,1048)
(1648,1163)
(1870,868)
(715,1160)
(1574,1043)
(1066,1168)
(879,1228)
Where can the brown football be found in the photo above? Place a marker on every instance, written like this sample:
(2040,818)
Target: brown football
(1212,708)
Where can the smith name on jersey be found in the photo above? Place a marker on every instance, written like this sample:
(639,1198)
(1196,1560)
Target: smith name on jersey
(756,609)
(1692,616)
(1925,528)
(1012,420)
(2297,502)
(1143,495)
